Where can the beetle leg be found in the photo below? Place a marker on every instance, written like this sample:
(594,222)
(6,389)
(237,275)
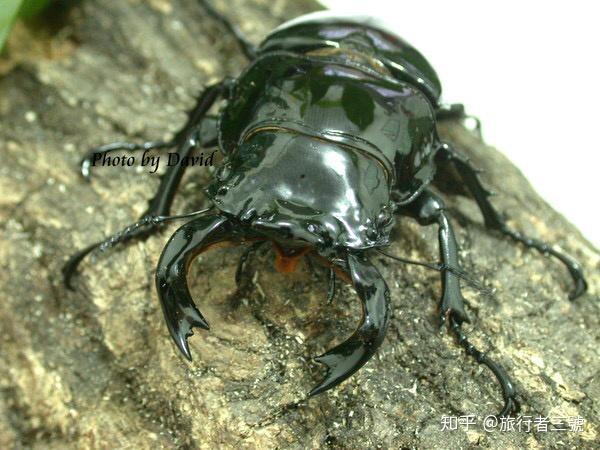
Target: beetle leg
(245,45)
(429,209)
(206,127)
(494,221)
(192,133)
(331,288)
(456,111)
(195,130)
(159,206)
(181,314)
(241,263)
(346,358)
(508,391)
(207,138)
(87,162)
(439,267)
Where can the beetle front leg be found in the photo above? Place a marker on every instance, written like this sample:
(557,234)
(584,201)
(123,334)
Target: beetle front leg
(494,221)
(198,129)
(331,286)
(160,206)
(428,209)
(508,389)
(239,272)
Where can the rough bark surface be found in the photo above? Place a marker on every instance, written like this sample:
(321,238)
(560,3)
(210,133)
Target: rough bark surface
(96,368)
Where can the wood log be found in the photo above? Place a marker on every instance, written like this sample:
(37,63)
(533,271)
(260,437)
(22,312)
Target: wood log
(96,368)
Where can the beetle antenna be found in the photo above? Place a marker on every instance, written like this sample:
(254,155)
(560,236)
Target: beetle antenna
(439,267)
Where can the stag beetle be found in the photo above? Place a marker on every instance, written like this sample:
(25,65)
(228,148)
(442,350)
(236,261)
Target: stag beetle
(327,135)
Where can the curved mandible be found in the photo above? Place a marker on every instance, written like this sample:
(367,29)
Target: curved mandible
(346,358)
(181,314)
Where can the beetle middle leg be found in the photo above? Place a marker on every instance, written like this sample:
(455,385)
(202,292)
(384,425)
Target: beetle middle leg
(245,45)
(208,139)
(494,220)
(205,127)
(429,209)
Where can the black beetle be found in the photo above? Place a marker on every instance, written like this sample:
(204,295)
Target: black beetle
(329,132)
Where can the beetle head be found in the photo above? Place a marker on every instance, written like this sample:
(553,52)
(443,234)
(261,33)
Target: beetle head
(299,190)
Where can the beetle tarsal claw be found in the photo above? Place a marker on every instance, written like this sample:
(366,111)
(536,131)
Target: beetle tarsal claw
(580,287)
(181,314)
(346,358)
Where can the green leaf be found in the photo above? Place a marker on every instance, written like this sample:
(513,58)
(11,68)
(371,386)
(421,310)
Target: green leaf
(30,8)
(8,12)
(11,9)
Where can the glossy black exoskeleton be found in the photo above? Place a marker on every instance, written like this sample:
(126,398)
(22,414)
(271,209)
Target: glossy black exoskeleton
(327,134)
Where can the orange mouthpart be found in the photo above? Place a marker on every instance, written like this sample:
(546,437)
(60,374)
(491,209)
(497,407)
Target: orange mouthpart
(286,261)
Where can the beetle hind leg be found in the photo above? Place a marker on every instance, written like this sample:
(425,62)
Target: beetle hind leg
(456,111)
(494,221)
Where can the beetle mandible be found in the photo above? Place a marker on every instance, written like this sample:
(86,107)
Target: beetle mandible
(326,135)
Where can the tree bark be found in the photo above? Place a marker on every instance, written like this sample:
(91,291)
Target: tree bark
(95,368)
